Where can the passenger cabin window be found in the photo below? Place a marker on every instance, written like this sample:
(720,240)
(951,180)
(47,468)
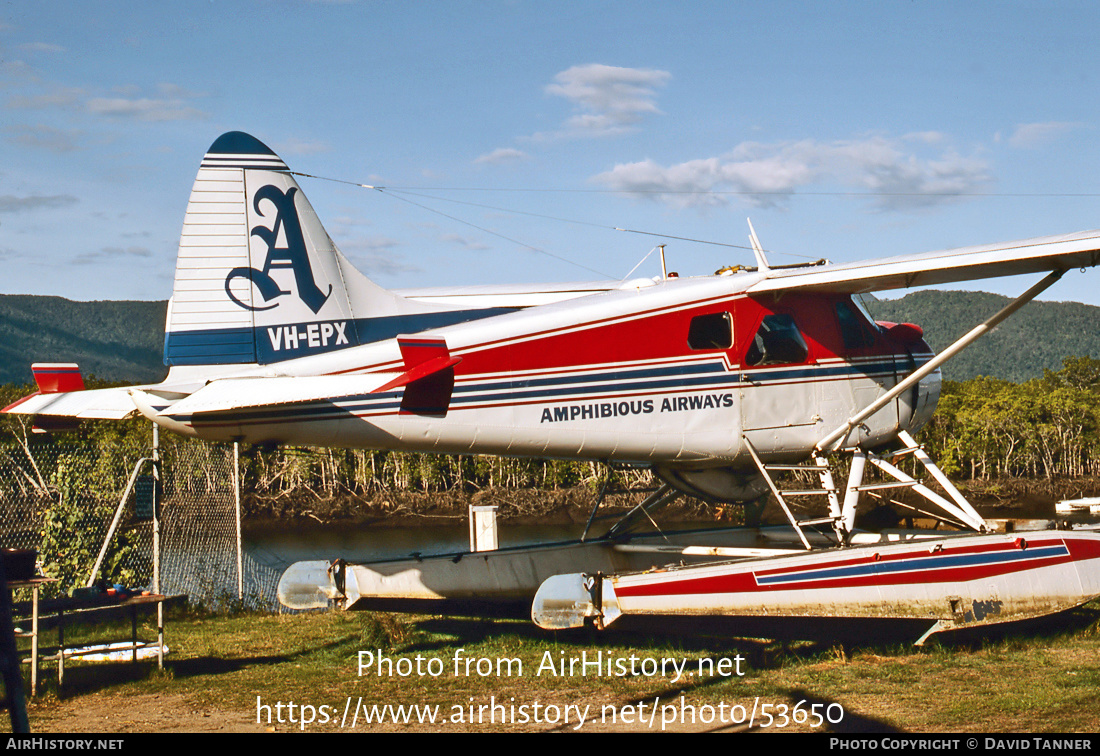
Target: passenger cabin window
(777,342)
(855,329)
(711,331)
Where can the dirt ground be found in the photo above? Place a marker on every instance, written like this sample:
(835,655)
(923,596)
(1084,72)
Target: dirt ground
(112,712)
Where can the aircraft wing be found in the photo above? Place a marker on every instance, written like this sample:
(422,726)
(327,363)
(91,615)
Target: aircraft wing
(1038,255)
(61,394)
(241,393)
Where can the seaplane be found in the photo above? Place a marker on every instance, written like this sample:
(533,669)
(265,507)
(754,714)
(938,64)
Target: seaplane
(725,386)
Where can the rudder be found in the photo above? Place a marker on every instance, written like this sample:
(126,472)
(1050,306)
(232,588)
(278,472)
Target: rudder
(210,318)
(258,280)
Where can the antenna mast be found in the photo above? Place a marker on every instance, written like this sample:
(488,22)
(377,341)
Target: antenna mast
(761,261)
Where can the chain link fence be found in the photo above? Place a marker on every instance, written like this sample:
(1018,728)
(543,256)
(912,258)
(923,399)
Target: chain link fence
(62,500)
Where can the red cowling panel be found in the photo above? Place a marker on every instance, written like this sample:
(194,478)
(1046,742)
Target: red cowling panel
(902,333)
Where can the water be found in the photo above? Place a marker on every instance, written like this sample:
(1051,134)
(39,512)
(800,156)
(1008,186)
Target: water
(279,547)
(270,550)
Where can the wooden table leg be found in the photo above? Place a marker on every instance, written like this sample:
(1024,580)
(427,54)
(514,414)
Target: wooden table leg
(34,640)
(60,648)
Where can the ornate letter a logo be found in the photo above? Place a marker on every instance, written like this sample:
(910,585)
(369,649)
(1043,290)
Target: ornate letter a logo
(294,255)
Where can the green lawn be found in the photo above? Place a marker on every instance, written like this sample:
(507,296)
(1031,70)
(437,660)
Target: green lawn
(504,675)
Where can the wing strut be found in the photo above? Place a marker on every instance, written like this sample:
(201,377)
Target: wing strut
(837,439)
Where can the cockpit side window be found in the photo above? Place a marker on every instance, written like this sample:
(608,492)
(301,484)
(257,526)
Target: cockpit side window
(711,331)
(777,342)
(855,328)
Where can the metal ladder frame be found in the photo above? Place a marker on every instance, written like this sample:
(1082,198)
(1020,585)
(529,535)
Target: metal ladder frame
(842,515)
(828,488)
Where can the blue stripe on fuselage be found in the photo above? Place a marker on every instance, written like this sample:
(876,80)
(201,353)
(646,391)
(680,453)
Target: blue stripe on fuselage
(591,385)
(287,341)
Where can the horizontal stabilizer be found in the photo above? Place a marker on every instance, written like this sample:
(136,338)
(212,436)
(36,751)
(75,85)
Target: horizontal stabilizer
(241,393)
(92,404)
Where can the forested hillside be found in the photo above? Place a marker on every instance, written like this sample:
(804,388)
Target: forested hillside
(1035,339)
(117,341)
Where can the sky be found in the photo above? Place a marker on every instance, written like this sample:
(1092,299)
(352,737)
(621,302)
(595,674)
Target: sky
(512,138)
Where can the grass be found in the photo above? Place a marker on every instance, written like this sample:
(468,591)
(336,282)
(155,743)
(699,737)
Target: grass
(221,665)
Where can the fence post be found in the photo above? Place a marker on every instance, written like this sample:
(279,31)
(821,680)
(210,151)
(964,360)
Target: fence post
(156,509)
(156,545)
(237,498)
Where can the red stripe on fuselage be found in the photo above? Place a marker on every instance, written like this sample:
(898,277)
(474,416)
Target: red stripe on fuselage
(652,334)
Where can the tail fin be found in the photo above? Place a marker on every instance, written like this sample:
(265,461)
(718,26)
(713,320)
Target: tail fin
(258,280)
(57,377)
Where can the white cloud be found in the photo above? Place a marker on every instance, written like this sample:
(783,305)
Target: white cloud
(1033,134)
(903,180)
(171,103)
(302,147)
(502,155)
(144,108)
(16,71)
(343,222)
(44,137)
(370,244)
(465,242)
(12,204)
(43,47)
(611,99)
(107,254)
(377,264)
(58,97)
(374,255)
(894,171)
